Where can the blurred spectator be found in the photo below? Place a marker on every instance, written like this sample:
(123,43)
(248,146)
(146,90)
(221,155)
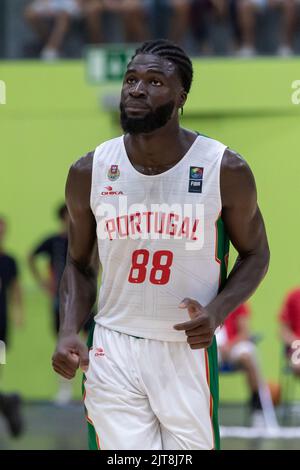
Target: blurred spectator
(51,21)
(205,13)
(55,248)
(170,18)
(10,296)
(235,349)
(290,325)
(247,11)
(131,12)
(180,20)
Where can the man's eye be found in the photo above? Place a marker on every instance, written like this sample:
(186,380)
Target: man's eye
(131,80)
(156,82)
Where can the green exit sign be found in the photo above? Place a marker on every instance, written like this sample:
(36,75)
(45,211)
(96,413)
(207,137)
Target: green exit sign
(107,63)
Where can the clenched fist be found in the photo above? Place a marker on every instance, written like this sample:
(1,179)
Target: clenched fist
(70,354)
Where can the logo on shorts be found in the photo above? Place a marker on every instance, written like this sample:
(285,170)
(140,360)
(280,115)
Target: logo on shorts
(195,179)
(99,352)
(113,173)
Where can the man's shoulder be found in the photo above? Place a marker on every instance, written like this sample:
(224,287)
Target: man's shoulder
(233,162)
(57,237)
(237,180)
(84,165)
(7,259)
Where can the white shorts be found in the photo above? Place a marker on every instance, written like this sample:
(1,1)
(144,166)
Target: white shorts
(239,349)
(50,7)
(148,394)
(265,3)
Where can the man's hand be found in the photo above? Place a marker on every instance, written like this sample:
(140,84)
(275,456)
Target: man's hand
(201,328)
(70,354)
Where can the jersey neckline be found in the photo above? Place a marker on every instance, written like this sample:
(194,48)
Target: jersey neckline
(176,166)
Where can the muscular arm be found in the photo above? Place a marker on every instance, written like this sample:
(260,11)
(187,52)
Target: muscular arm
(245,227)
(79,282)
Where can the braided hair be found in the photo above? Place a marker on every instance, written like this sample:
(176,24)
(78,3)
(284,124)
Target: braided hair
(170,51)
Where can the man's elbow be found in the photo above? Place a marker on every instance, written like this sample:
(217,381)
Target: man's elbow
(82,266)
(264,258)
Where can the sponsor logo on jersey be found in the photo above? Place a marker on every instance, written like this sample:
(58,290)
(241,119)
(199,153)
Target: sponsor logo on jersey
(113,173)
(109,192)
(196,179)
(99,352)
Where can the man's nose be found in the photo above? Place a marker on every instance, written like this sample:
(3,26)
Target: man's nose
(138,90)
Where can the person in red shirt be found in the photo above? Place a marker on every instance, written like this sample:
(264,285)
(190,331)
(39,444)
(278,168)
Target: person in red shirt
(236,349)
(289,319)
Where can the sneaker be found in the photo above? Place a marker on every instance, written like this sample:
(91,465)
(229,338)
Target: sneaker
(285,51)
(257,419)
(10,407)
(64,394)
(49,55)
(246,52)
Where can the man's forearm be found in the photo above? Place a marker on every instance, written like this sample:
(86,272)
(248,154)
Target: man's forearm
(242,282)
(78,292)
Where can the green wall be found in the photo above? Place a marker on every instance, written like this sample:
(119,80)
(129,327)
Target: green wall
(52,117)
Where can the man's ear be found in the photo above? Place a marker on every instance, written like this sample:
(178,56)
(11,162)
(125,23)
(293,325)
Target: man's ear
(182,98)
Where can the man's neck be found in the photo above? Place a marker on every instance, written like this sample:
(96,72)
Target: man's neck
(147,149)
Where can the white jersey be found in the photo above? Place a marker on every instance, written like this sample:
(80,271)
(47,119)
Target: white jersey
(160,238)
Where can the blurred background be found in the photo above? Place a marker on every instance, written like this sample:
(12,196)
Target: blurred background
(61,62)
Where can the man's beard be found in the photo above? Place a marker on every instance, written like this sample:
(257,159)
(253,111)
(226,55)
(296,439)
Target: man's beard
(149,122)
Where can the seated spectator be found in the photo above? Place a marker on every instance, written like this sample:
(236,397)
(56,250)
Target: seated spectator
(169,18)
(132,13)
(180,20)
(51,20)
(204,12)
(236,349)
(246,16)
(290,326)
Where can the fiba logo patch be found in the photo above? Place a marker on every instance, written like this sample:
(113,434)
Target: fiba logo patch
(113,173)
(195,179)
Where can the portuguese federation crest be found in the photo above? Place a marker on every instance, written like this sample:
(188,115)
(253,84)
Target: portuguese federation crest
(113,173)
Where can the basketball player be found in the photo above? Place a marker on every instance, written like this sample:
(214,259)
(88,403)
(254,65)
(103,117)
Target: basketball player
(162,201)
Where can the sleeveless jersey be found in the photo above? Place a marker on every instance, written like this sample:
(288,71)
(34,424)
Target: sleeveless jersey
(160,238)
